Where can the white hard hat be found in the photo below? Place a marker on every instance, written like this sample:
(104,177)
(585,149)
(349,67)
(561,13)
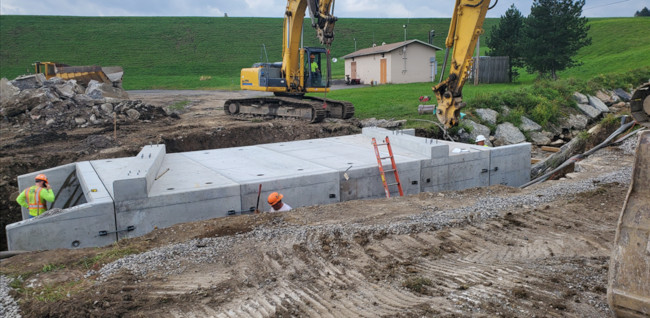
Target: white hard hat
(480,138)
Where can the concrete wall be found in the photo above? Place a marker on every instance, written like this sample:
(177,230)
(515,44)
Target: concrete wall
(63,181)
(76,227)
(127,197)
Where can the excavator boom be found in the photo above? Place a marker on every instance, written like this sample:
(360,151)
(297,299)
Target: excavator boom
(465,28)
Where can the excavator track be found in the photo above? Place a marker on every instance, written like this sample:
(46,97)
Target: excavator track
(335,108)
(306,108)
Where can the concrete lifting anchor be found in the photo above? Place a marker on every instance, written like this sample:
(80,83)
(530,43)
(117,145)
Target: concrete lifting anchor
(128,229)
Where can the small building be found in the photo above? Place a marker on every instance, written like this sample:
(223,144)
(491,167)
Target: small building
(402,62)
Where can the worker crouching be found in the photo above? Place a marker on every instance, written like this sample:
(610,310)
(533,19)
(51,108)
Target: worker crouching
(275,200)
(35,198)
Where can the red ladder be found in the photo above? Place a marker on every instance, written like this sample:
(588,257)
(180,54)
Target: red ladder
(381,167)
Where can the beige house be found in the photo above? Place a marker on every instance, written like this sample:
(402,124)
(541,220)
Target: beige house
(402,62)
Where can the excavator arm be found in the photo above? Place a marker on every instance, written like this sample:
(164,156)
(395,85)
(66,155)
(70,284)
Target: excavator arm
(322,20)
(465,28)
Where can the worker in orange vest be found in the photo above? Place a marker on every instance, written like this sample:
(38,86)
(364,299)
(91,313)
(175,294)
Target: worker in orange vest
(35,196)
(275,200)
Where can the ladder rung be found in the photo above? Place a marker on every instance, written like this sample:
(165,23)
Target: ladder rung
(392,184)
(389,170)
(382,144)
(385,157)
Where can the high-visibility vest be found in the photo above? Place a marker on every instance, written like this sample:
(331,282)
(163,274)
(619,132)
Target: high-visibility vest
(34,201)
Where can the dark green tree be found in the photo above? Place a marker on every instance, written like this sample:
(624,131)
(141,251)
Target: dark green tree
(552,35)
(643,13)
(505,37)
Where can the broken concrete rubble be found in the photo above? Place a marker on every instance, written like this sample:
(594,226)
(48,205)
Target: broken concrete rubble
(59,104)
(97,90)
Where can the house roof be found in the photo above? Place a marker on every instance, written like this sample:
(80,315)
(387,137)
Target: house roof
(385,48)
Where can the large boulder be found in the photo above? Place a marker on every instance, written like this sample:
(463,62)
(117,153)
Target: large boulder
(590,111)
(529,125)
(508,134)
(574,122)
(487,115)
(623,95)
(476,129)
(541,138)
(580,98)
(97,90)
(606,97)
(595,102)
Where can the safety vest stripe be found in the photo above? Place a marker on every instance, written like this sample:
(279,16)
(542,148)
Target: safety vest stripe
(37,196)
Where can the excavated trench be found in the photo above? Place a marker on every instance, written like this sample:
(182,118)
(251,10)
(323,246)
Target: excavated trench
(50,150)
(252,135)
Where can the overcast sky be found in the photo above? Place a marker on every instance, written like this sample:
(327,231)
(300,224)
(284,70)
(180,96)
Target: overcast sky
(275,8)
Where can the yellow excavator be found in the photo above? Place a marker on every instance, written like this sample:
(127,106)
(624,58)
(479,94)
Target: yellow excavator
(302,70)
(628,290)
(465,28)
(82,74)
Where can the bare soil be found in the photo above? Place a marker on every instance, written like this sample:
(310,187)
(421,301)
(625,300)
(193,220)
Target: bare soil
(545,261)
(202,125)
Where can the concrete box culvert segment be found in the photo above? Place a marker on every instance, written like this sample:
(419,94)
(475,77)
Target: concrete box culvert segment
(101,201)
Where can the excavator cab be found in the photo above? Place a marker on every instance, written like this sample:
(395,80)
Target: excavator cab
(316,68)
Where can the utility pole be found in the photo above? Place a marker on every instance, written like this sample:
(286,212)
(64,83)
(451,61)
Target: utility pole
(355,44)
(404,32)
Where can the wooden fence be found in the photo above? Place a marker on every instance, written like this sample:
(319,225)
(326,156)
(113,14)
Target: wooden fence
(492,69)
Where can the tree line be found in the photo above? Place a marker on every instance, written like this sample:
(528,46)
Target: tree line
(545,42)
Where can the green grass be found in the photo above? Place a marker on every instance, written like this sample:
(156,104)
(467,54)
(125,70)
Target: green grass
(178,52)
(180,105)
(174,52)
(52,267)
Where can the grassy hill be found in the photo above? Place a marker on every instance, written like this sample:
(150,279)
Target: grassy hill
(174,52)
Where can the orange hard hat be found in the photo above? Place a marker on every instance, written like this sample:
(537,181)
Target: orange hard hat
(274,198)
(41,177)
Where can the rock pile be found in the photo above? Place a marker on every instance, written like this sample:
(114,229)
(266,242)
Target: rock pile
(58,104)
(591,108)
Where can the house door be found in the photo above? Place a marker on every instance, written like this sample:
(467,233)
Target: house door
(353,70)
(382,71)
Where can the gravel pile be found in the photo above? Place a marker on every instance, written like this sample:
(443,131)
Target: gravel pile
(629,145)
(8,306)
(173,259)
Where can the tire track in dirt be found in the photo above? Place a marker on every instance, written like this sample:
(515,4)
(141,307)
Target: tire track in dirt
(512,264)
